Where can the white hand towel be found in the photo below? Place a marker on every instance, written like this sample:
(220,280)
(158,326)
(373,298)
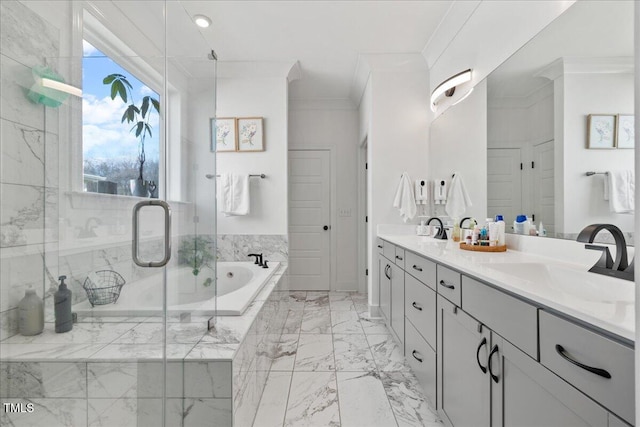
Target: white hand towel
(233,194)
(421,192)
(458,200)
(620,191)
(404,199)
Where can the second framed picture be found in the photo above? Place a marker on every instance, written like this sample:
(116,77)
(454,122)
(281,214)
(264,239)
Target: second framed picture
(224,130)
(250,134)
(625,131)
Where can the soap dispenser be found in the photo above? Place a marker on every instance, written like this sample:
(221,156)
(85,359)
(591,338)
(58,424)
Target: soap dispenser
(30,314)
(62,307)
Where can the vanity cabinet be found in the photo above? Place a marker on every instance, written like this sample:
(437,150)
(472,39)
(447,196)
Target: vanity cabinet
(384,278)
(391,287)
(397,302)
(463,384)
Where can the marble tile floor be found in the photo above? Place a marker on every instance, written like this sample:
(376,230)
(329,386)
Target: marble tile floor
(336,366)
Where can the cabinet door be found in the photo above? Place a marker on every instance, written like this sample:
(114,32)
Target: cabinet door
(397,302)
(463,380)
(525,393)
(384,275)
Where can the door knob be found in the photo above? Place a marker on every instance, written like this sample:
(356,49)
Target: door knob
(325,228)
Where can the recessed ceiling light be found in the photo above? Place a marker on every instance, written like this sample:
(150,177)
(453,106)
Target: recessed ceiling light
(202,21)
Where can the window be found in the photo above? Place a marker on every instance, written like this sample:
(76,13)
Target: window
(120,140)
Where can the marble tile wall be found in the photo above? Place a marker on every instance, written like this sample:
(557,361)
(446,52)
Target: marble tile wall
(28,138)
(236,247)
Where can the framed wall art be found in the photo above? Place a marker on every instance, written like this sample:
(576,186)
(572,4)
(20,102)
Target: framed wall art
(625,131)
(601,131)
(224,132)
(250,134)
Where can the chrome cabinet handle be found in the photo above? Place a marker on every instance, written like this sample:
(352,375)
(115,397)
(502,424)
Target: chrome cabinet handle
(386,271)
(380,246)
(415,267)
(416,306)
(494,350)
(167,233)
(482,343)
(398,257)
(443,283)
(563,353)
(413,353)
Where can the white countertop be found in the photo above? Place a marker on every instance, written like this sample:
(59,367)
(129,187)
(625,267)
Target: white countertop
(604,302)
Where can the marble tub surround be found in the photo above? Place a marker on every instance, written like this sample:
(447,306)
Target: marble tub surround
(339,376)
(559,281)
(237,247)
(111,372)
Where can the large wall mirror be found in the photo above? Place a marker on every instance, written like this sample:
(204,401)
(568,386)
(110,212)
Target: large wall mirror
(539,103)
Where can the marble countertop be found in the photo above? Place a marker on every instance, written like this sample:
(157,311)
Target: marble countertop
(604,302)
(106,339)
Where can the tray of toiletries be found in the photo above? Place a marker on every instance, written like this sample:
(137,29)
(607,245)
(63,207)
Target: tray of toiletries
(481,248)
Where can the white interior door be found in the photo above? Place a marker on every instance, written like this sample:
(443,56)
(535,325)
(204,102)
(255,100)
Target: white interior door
(504,185)
(310,219)
(543,177)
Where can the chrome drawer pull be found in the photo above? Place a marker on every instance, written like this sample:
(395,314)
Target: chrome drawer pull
(562,352)
(413,353)
(417,307)
(399,257)
(380,246)
(443,283)
(415,267)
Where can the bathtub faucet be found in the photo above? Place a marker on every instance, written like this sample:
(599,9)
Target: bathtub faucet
(258,259)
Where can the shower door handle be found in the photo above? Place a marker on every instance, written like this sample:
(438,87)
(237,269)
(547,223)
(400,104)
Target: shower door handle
(167,233)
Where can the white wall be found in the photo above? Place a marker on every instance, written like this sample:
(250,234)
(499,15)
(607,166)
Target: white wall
(334,127)
(248,97)
(493,31)
(583,196)
(458,143)
(396,108)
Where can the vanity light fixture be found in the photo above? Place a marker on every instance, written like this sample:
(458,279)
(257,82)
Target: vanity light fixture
(202,21)
(448,87)
(62,87)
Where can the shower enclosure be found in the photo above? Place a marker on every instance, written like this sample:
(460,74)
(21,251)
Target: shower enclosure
(98,178)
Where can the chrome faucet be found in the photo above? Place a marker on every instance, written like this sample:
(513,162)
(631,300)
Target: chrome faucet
(442,233)
(618,267)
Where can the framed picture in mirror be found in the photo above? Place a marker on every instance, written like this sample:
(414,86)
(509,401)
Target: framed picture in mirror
(601,131)
(224,132)
(625,131)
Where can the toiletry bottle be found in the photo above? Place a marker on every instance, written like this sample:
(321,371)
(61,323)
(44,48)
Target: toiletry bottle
(493,234)
(475,237)
(31,314)
(519,225)
(62,307)
(542,232)
(456,230)
(501,230)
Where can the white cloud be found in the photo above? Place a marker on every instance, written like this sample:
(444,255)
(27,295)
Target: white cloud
(88,49)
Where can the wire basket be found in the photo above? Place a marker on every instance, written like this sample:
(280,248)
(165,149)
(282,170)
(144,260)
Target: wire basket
(103,287)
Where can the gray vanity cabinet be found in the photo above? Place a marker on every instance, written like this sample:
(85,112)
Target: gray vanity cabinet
(463,381)
(524,393)
(397,302)
(384,277)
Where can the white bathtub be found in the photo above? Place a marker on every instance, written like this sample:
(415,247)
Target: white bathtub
(238,284)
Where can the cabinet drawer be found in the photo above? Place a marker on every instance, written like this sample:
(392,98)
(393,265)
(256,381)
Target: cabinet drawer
(592,350)
(399,257)
(449,284)
(422,360)
(380,245)
(389,251)
(515,320)
(420,308)
(421,268)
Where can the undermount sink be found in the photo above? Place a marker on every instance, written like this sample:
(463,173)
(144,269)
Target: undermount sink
(571,281)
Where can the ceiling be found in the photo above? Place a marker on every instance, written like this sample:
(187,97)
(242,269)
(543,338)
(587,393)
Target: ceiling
(325,37)
(588,29)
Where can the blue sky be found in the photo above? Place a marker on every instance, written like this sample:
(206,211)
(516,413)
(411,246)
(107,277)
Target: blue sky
(102,133)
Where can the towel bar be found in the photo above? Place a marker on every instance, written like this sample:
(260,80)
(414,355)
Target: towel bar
(261,176)
(596,173)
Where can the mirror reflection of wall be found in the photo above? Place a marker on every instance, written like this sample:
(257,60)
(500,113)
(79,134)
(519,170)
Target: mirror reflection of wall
(538,103)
